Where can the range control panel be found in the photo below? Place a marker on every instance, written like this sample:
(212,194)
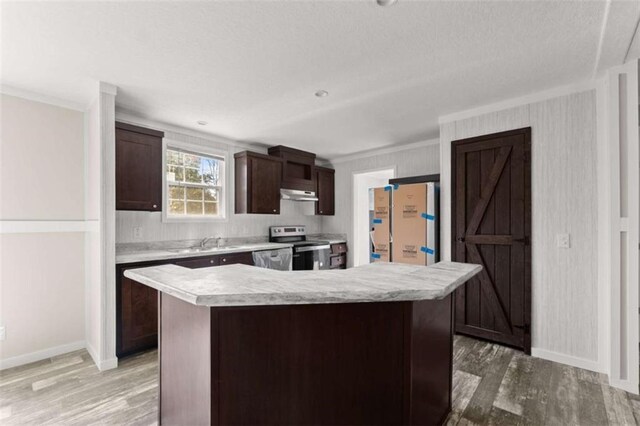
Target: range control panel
(287,231)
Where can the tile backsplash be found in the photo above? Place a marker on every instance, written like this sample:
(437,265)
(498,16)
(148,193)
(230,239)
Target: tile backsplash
(151,228)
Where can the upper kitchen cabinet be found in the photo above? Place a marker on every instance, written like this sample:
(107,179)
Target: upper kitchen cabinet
(258,179)
(325,191)
(298,168)
(138,168)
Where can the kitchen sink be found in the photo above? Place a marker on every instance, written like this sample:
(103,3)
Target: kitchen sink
(188,250)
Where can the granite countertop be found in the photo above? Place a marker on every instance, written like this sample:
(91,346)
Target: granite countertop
(243,285)
(330,238)
(137,254)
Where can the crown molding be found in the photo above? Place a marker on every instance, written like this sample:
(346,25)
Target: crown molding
(544,95)
(387,149)
(127,117)
(39,97)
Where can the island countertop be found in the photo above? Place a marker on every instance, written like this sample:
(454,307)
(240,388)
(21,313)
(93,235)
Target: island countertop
(243,285)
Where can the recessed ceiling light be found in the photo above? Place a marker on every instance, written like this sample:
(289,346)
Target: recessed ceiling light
(386,2)
(322,93)
(202,122)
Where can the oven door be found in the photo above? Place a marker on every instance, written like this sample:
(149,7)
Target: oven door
(307,258)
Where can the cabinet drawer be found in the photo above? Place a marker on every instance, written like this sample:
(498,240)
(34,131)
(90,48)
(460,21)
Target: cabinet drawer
(338,261)
(204,262)
(338,248)
(245,258)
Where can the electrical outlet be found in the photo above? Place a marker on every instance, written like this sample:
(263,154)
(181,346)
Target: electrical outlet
(563,240)
(3,333)
(137,233)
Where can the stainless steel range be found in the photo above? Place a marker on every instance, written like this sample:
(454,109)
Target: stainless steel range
(307,254)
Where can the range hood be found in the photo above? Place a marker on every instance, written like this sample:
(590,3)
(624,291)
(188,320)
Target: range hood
(296,195)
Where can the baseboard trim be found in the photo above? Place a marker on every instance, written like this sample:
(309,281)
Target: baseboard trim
(19,360)
(626,385)
(107,364)
(573,361)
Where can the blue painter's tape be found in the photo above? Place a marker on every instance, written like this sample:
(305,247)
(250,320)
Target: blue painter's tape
(375,255)
(387,188)
(428,216)
(427,250)
(377,220)
(396,186)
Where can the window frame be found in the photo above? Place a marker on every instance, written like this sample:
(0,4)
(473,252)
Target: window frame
(223,206)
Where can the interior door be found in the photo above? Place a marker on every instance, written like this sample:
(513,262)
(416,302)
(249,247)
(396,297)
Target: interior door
(491,209)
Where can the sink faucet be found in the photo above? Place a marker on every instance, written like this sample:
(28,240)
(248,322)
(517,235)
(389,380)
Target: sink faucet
(205,240)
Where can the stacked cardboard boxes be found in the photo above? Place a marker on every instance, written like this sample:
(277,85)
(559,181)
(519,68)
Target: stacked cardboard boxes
(381,231)
(413,224)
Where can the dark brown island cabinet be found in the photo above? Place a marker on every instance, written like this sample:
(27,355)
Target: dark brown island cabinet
(138,168)
(325,191)
(257,183)
(323,364)
(137,304)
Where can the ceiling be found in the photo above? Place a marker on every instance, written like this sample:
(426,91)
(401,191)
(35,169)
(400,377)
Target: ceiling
(251,68)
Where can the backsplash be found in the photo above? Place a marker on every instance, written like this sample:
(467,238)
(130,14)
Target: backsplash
(237,226)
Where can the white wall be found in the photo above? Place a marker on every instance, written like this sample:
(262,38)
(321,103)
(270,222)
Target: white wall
(564,200)
(41,273)
(237,225)
(414,161)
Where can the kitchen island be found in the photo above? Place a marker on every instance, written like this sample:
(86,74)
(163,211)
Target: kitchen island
(367,345)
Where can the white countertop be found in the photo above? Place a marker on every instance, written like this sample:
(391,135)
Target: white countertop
(138,255)
(243,285)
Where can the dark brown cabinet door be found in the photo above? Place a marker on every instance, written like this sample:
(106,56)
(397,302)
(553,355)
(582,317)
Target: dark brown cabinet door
(491,213)
(265,186)
(138,317)
(203,262)
(138,168)
(257,185)
(245,258)
(325,191)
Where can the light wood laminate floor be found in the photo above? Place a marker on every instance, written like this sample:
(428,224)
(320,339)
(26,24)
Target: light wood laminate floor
(492,385)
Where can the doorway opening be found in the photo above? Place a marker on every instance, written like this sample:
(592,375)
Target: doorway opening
(363,182)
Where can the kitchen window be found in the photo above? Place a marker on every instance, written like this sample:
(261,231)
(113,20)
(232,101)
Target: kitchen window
(194,183)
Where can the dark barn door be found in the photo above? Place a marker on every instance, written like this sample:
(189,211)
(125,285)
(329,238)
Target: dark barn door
(491,210)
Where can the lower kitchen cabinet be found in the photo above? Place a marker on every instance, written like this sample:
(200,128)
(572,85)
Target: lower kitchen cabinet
(201,262)
(137,304)
(245,258)
(338,256)
(139,316)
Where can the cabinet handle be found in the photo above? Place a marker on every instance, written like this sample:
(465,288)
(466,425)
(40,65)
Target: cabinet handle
(274,210)
(155,206)
(211,261)
(224,260)
(320,211)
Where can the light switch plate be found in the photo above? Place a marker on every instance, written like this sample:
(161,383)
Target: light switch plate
(563,240)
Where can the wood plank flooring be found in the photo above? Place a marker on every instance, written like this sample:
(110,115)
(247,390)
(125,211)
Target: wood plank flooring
(492,385)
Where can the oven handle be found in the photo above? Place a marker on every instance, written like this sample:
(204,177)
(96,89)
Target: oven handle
(312,248)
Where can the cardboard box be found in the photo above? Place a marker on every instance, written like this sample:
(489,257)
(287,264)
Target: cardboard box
(413,224)
(381,224)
